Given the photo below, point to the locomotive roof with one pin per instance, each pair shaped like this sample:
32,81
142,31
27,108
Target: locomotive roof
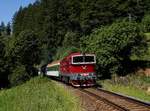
70,55
79,53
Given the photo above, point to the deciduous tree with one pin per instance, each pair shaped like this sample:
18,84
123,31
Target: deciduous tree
114,44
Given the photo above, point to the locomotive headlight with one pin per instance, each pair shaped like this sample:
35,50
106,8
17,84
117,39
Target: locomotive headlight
90,74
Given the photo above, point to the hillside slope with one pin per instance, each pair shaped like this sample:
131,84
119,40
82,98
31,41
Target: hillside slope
38,94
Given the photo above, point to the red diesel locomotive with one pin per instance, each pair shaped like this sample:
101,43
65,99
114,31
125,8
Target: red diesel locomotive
76,69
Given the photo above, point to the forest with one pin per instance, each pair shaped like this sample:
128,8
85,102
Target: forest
50,29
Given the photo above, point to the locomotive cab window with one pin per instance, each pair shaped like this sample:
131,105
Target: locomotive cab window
83,59
77,59
89,58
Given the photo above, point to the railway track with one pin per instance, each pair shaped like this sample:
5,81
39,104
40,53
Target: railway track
116,101
102,102
97,99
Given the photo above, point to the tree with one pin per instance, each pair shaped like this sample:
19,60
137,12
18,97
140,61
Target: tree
24,50
2,28
18,21
114,44
3,64
65,51
71,39
8,29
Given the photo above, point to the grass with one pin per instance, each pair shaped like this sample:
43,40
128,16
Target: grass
132,85
39,94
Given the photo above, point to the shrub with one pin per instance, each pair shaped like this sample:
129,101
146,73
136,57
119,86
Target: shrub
18,76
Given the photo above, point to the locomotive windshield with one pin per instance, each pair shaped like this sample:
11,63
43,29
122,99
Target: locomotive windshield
89,58
78,59
83,59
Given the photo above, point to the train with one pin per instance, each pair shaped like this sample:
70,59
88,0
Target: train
77,69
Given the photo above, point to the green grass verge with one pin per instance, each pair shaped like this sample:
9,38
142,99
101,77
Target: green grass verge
128,90
134,86
38,94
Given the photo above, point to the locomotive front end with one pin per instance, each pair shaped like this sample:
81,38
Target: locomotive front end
83,70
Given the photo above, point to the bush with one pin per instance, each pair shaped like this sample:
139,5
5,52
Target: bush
114,44
18,76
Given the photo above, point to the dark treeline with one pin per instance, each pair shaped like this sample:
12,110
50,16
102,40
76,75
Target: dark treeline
48,29
5,30
57,21
55,18
52,19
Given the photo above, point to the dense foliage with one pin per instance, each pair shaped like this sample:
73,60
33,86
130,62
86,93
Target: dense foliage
50,29
114,45
18,75
3,64
146,23
23,52
5,30
25,48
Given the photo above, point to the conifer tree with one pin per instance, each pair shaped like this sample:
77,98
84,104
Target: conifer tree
8,29
2,28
